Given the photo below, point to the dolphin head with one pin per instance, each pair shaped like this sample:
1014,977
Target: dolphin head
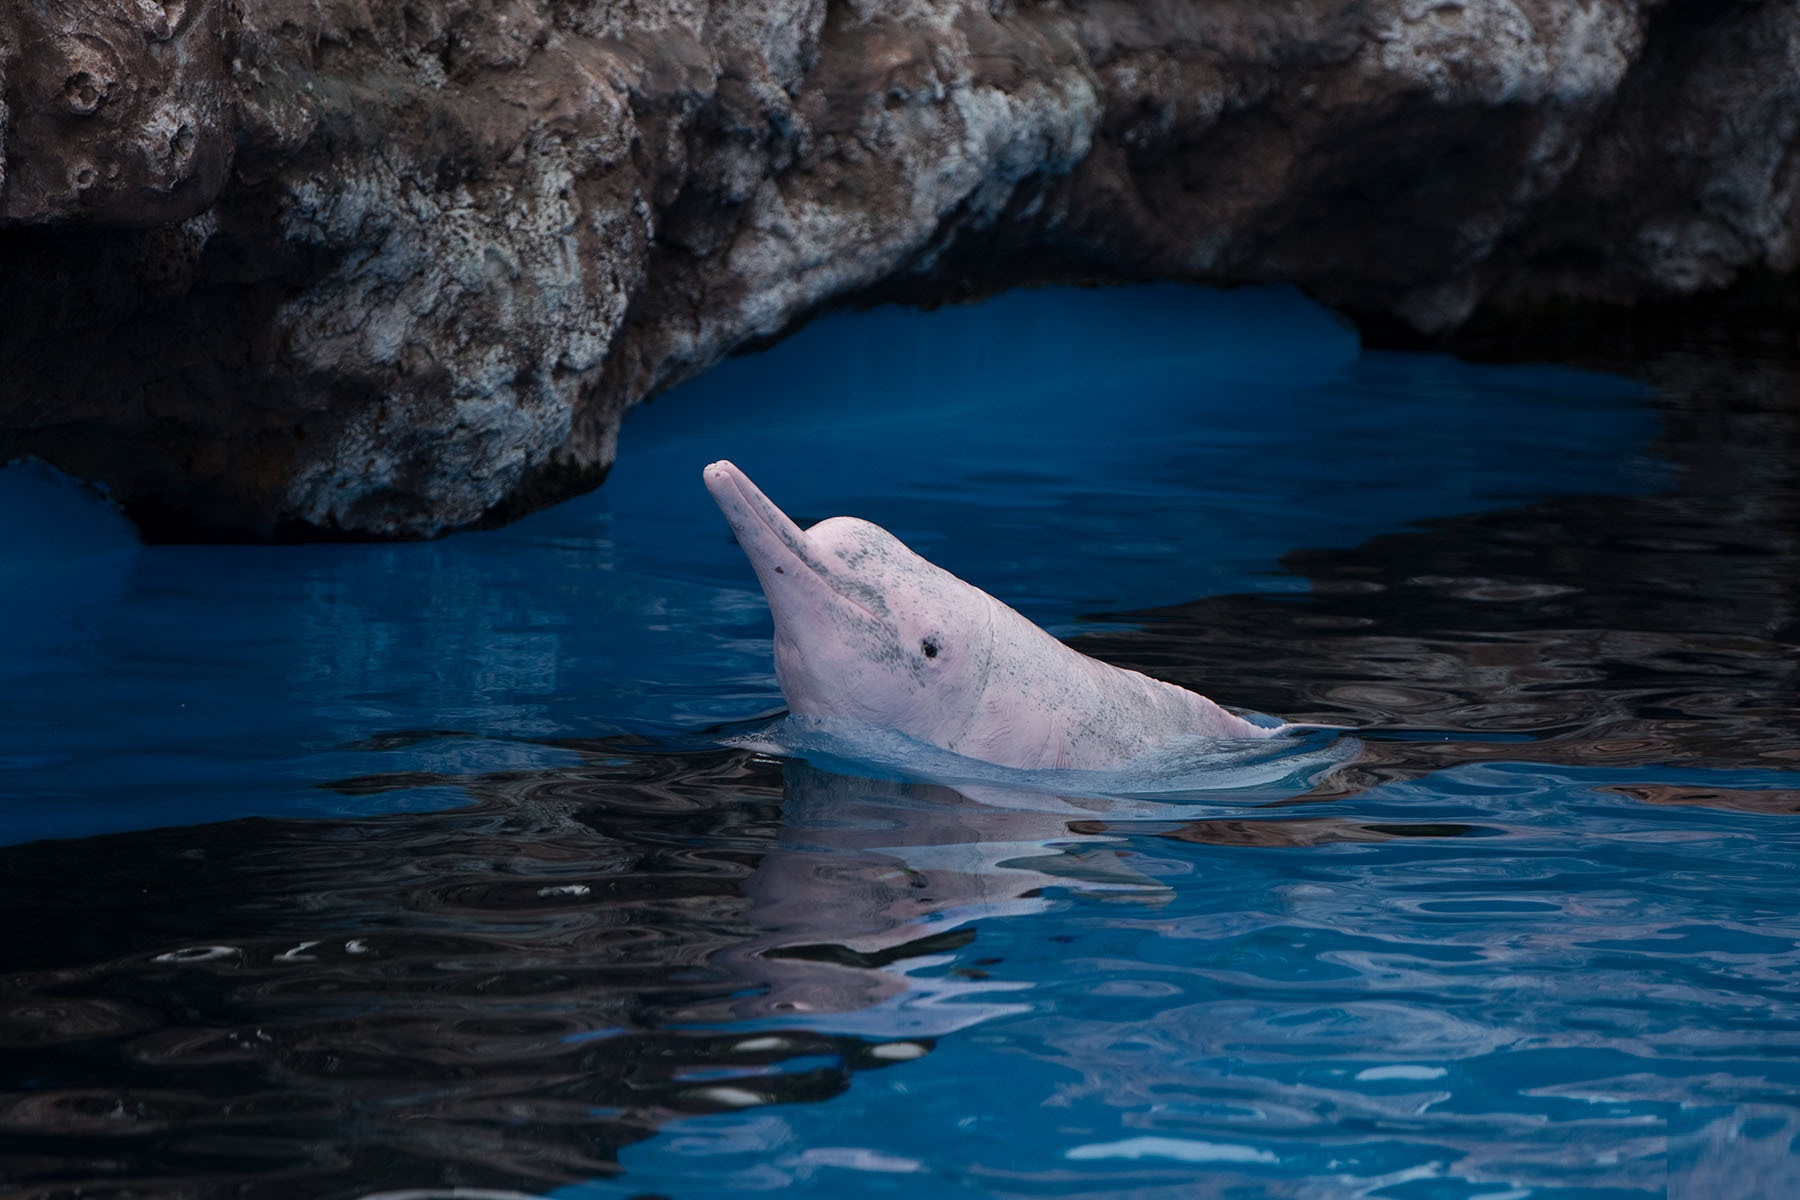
864,628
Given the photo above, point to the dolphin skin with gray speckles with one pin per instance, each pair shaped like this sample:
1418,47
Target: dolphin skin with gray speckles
867,631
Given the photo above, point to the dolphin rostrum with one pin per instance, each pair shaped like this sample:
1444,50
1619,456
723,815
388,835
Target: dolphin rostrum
868,631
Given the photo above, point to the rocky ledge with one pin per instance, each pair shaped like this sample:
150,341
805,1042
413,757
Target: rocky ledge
384,268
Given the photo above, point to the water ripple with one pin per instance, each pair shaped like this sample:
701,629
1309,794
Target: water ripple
1538,938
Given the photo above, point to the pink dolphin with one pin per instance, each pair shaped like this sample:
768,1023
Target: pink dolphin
867,630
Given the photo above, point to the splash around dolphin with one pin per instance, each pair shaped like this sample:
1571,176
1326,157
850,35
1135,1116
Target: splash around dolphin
869,632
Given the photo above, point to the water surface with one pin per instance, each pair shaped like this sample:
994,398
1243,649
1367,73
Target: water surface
337,871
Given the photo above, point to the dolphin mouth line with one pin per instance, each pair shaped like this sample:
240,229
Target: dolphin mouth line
722,476
765,516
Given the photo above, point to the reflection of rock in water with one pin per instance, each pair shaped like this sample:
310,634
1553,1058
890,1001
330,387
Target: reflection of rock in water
489,997
1764,800
505,994
1280,832
1590,630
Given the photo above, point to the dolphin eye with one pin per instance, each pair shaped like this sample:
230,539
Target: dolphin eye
929,647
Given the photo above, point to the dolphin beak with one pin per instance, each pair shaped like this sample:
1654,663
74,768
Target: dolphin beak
768,537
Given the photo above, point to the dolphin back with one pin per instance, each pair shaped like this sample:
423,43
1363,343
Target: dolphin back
1047,706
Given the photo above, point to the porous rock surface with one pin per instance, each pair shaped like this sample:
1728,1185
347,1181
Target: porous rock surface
382,268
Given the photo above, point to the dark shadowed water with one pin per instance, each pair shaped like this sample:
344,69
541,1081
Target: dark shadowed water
388,871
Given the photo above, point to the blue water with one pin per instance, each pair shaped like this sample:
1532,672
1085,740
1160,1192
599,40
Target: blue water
1073,453
521,917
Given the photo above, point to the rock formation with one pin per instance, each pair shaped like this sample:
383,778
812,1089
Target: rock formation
384,268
